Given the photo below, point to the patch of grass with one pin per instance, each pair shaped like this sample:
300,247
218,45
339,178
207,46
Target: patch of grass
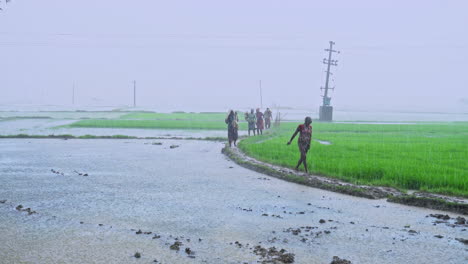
219,117
429,157
154,124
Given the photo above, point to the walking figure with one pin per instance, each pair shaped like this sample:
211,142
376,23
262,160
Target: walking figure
251,119
268,115
233,127
305,137
260,125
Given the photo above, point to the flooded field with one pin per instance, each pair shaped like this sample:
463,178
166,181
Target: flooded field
58,127
103,201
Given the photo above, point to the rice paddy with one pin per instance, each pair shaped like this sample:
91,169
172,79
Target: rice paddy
204,121
428,157
212,116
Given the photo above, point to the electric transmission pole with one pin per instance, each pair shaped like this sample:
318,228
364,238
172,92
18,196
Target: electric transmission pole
326,110
134,93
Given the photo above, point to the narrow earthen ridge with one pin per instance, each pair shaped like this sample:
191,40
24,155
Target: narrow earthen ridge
420,199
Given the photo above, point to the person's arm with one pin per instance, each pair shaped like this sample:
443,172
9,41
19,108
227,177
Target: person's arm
293,136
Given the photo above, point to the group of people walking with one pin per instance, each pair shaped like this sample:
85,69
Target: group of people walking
258,121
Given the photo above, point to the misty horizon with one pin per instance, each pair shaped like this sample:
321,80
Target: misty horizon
211,55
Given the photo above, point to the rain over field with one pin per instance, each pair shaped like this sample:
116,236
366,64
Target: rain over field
233,132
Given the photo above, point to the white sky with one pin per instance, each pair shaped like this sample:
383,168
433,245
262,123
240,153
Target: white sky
395,55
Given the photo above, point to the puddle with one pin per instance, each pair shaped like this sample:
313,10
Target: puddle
323,142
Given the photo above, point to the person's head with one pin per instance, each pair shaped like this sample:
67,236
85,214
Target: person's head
251,110
231,112
268,108
258,110
308,120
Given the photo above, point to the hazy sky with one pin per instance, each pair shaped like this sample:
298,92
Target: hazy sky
211,54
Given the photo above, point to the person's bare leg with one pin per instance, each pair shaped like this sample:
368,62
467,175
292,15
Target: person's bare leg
299,163
230,143
235,144
304,161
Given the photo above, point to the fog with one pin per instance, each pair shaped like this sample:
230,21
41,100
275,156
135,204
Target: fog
210,55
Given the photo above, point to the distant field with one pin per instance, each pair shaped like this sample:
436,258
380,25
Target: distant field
431,157
154,124
207,121
177,116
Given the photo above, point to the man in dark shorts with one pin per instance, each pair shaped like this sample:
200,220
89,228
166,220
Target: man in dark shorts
305,136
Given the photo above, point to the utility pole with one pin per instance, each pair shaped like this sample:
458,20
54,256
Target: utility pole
326,110
134,93
261,99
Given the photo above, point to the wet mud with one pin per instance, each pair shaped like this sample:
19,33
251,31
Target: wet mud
192,205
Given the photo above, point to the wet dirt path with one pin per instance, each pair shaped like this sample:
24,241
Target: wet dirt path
193,195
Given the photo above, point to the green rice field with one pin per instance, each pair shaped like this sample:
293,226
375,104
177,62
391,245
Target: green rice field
176,116
427,157
206,121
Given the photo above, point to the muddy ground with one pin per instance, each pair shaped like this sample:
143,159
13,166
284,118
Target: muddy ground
132,201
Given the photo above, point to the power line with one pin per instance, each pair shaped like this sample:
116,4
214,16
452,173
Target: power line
326,110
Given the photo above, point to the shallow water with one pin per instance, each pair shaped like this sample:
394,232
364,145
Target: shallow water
190,191
52,127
